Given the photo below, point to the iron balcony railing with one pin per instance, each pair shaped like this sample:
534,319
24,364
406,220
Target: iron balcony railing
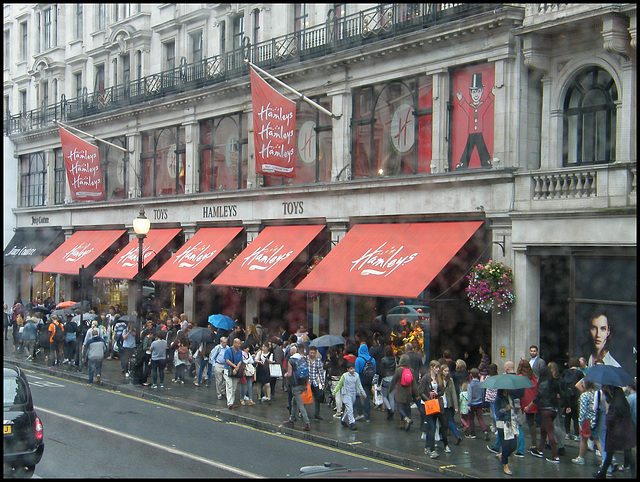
335,35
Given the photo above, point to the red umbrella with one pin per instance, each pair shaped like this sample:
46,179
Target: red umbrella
65,304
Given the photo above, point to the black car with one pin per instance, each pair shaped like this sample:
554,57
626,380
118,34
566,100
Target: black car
22,429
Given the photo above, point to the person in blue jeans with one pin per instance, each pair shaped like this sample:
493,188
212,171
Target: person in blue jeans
515,395
158,358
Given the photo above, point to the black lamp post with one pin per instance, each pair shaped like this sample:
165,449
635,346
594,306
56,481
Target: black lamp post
141,227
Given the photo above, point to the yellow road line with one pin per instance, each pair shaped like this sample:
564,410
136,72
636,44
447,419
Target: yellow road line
281,435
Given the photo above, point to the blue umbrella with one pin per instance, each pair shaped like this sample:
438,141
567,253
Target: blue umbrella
328,340
508,381
222,321
608,375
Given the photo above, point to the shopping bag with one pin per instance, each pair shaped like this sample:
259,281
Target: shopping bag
377,395
275,370
431,407
307,395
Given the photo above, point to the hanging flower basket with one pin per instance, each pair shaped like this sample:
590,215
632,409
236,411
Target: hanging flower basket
491,287
313,295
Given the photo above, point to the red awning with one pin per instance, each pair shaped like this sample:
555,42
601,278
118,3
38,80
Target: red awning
267,256
82,248
389,259
195,255
125,263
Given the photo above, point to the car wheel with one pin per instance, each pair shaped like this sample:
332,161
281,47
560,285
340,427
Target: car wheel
25,472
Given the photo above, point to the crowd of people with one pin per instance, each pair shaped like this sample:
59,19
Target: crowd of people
366,372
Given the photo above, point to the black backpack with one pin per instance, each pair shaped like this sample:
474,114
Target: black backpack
368,372
58,334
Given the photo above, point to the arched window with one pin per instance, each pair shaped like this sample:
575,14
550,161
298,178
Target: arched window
589,132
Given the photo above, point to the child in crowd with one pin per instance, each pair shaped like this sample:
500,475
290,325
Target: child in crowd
350,387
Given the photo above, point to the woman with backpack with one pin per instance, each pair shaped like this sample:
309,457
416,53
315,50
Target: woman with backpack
387,369
406,388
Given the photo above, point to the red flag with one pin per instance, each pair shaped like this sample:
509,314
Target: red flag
83,168
274,129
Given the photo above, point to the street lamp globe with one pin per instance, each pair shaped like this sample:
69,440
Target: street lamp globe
141,224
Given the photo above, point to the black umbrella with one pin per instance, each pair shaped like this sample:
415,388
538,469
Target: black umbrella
83,306
128,318
608,375
200,335
41,309
62,312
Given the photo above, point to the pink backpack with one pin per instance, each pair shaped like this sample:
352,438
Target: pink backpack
407,377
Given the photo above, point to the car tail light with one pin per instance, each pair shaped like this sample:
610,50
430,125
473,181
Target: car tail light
39,429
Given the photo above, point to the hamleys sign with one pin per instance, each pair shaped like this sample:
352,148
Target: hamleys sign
266,257
77,252
383,260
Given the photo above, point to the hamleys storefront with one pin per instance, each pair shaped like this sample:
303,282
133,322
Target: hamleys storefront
275,260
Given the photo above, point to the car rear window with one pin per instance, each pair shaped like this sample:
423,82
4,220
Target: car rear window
15,391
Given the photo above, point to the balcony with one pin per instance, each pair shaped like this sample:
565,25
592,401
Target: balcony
376,24
577,188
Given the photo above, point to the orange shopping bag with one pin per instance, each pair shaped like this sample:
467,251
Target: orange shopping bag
307,396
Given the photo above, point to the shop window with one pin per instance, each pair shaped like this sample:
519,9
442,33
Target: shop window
391,132
32,179
223,153
163,162
60,178
314,146
589,128
113,164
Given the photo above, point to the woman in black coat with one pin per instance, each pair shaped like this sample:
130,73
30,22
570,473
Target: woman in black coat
621,432
547,399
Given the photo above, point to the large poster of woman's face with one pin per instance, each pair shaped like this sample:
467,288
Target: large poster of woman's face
607,333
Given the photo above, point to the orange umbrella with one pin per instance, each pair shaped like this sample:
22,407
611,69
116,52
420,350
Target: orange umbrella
66,304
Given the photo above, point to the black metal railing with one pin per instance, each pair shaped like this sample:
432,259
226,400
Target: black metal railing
336,34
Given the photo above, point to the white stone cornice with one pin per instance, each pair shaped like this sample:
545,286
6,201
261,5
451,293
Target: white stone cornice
615,32
535,53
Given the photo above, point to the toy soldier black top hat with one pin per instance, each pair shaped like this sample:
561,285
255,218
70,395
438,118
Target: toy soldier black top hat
476,82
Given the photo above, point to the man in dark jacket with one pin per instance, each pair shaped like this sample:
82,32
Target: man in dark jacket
569,397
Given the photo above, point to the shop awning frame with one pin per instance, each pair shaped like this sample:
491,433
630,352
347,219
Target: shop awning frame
194,256
81,249
390,260
124,265
262,261
28,245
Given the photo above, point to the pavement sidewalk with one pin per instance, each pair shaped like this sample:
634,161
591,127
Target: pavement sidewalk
380,439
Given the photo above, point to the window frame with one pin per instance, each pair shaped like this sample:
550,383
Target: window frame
150,159
575,134
368,123
32,180
209,149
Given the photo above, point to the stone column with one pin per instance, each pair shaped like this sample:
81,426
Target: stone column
134,167
191,152
252,308
439,133
341,136
526,311
189,296
337,302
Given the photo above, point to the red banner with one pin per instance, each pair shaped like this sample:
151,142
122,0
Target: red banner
274,129
83,168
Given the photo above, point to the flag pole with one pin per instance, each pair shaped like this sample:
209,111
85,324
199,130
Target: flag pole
92,136
301,96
